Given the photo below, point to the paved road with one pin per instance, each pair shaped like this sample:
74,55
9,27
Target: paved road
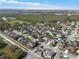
12,41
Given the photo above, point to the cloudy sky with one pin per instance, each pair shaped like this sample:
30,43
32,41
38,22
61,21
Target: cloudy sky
39,4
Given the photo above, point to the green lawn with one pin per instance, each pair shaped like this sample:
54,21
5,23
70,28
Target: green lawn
9,53
14,22
8,50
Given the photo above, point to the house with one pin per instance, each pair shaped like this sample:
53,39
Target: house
52,42
49,54
40,48
32,44
60,56
21,39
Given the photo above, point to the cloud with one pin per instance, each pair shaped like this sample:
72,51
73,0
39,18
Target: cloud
23,3
34,5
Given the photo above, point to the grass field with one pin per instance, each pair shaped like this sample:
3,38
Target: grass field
11,52
10,55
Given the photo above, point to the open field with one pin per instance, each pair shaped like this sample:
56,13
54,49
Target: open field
10,51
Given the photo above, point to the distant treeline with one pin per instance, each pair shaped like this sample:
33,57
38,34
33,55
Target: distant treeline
37,18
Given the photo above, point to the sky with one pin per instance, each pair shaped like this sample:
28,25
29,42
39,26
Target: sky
39,4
